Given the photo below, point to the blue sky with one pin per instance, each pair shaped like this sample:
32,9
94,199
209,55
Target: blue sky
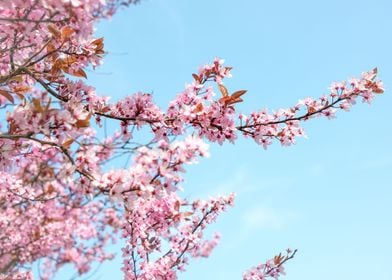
330,195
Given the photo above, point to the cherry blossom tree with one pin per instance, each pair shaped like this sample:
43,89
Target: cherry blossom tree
61,205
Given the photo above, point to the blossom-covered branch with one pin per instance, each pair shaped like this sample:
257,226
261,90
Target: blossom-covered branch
60,203
272,268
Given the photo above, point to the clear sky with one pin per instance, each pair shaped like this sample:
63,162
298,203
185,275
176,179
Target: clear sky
330,195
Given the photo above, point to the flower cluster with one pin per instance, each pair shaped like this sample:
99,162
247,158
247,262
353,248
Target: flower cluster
39,222
284,124
168,222
272,268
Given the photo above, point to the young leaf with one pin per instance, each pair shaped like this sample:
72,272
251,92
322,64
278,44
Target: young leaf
51,49
98,45
7,95
98,42
66,32
77,73
177,205
199,107
22,89
80,73
223,90
70,59
278,259
53,29
196,77
83,123
21,96
37,105
67,143
232,101
238,94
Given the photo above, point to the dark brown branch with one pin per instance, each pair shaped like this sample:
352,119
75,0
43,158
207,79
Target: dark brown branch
24,19
299,118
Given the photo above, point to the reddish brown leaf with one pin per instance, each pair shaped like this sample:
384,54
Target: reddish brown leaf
70,59
16,79
58,65
77,73
199,108
223,90
36,235
37,105
233,101
278,259
21,89
98,42
7,95
238,93
83,123
21,96
53,29
311,110
224,99
67,143
50,48
80,73
98,45
177,205
12,127
50,189
66,32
